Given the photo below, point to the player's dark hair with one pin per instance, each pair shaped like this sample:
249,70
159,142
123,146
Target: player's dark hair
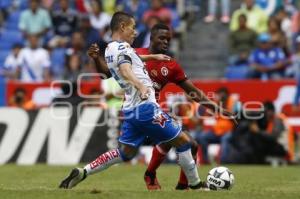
159,26
118,18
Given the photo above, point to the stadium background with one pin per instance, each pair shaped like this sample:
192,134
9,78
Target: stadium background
28,132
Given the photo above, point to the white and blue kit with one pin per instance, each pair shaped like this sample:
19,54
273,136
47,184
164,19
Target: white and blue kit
142,117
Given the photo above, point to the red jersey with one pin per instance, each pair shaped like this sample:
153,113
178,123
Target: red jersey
162,72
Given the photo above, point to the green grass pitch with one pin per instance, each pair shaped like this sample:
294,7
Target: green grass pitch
126,181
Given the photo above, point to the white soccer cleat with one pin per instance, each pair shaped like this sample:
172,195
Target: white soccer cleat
77,175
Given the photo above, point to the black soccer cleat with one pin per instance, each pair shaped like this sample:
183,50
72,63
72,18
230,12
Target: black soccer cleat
77,175
202,185
181,186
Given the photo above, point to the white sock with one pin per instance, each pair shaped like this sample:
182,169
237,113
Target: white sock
104,161
188,165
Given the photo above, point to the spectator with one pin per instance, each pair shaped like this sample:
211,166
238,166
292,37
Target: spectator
109,6
285,22
47,4
34,62
295,29
268,6
242,41
90,34
136,8
158,10
256,139
295,59
11,63
99,19
78,46
267,62
21,100
256,17
65,22
278,38
73,68
221,131
212,6
143,39
35,20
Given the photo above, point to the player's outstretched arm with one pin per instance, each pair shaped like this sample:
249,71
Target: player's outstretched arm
101,66
159,57
128,75
199,96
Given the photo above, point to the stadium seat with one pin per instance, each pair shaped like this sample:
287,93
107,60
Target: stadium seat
14,17
237,72
11,36
13,21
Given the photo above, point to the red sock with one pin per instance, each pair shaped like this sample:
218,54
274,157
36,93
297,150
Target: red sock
182,178
156,159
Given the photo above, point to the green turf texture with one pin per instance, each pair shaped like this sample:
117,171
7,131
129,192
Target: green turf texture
126,181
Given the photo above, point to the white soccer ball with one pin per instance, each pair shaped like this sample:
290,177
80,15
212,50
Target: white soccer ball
220,178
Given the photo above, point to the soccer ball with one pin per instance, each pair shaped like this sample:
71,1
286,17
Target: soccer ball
220,178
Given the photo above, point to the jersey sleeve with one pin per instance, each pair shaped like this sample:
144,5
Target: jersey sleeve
178,75
124,53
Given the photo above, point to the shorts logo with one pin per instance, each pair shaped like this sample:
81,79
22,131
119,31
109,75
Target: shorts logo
164,71
160,119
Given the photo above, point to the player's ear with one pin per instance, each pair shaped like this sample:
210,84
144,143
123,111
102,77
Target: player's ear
122,26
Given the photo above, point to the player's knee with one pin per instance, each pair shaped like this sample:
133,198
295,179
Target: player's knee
127,152
184,147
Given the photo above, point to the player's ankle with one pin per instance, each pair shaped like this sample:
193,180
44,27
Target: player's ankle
150,173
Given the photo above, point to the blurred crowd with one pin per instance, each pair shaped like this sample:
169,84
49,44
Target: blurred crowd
264,42
42,40
261,136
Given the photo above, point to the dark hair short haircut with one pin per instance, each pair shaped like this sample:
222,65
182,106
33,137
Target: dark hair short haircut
243,16
159,26
118,18
269,106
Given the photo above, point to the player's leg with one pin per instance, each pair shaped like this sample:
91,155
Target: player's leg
159,153
161,128
182,143
122,154
129,141
183,181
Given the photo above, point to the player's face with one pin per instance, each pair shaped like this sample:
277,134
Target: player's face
129,32
161,41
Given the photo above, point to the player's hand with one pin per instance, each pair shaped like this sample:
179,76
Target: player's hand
228,114
93,51
161,57
145,92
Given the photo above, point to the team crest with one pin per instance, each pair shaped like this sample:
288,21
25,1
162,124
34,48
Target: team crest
164,71
160,119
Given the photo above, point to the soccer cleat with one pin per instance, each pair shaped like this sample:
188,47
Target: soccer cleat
151,181
77,175
181,186
201,186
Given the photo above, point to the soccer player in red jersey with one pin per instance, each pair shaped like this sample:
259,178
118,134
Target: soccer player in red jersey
162,73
